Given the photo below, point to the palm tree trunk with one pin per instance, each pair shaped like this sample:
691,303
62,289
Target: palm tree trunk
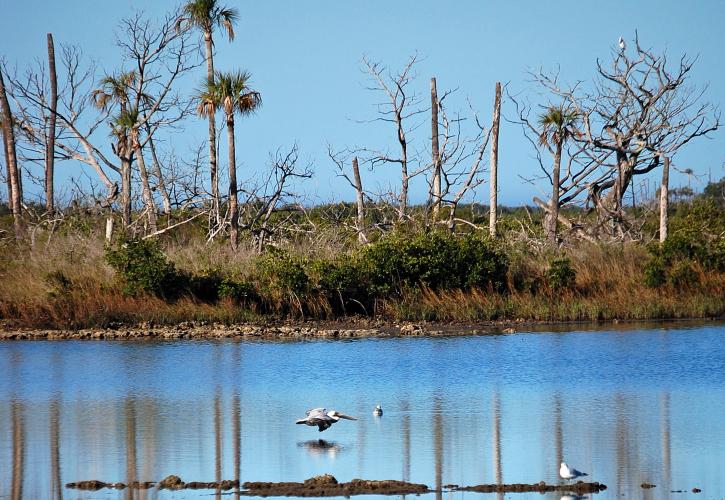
212,129
233,202
436,187
553,216
493,193
50,145
126,189
15,195
146,189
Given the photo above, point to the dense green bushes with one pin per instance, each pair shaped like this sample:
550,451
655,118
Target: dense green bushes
696,240
145,269
284,282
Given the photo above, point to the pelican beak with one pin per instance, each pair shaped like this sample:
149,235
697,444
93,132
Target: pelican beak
348,417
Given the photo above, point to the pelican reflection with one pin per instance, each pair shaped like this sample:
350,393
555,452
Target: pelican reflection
320,447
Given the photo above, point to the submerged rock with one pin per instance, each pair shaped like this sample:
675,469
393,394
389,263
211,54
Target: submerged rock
328,486
92,485
580,488
171,483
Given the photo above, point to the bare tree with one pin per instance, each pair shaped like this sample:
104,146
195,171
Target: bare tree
435,150
50,151
400,105
15,195
640,109
493,172
273,195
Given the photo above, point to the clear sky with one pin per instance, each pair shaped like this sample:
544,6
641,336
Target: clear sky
305,58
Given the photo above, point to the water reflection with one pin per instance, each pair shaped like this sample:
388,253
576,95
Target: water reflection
320,447
455,413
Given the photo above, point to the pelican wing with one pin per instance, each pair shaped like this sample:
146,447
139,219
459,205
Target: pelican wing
324,424
317,412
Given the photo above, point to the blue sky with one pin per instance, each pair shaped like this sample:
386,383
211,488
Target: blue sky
305,58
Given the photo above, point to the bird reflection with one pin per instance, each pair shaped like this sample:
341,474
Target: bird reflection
320,447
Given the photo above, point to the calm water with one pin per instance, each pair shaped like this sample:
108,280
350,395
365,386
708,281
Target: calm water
627,406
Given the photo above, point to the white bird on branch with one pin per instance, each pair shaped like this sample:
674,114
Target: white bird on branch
621,43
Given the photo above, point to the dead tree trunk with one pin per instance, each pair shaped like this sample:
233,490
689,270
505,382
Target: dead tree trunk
553,217
664,198
493,193
146,189
15,195
435,152
160,184
361,237
50,145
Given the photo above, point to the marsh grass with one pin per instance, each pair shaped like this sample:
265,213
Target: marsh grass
67,283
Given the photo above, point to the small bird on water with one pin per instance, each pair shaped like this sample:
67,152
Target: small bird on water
378,411
568,473
322,418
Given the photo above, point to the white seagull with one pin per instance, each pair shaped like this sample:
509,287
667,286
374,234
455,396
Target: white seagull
567,472
621,43
322,418
378,411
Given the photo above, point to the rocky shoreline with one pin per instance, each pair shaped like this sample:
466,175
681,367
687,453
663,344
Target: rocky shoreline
190,330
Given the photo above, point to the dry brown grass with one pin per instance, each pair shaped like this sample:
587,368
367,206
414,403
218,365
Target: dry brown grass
67,284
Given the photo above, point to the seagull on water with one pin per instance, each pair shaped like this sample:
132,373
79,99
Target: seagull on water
568,473
621,43
322,418
378,411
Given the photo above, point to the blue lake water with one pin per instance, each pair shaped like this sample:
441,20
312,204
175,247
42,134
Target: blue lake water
628,406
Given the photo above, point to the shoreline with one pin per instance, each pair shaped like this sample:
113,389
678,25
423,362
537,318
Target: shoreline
311,330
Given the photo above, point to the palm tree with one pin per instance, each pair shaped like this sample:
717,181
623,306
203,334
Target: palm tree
231,93
205,15
114,89
558,125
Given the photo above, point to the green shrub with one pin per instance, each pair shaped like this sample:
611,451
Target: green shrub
560,275
343,282
238,291
436,260
655,272
145,269
282,273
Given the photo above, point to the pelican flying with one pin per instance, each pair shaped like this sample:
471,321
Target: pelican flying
322,418
567,472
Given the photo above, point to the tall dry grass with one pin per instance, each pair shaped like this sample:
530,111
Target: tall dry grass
66,283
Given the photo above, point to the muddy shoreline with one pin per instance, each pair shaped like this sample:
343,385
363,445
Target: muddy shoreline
300,330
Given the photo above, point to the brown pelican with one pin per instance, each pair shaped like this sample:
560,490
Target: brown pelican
322,418
567,472
378,411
